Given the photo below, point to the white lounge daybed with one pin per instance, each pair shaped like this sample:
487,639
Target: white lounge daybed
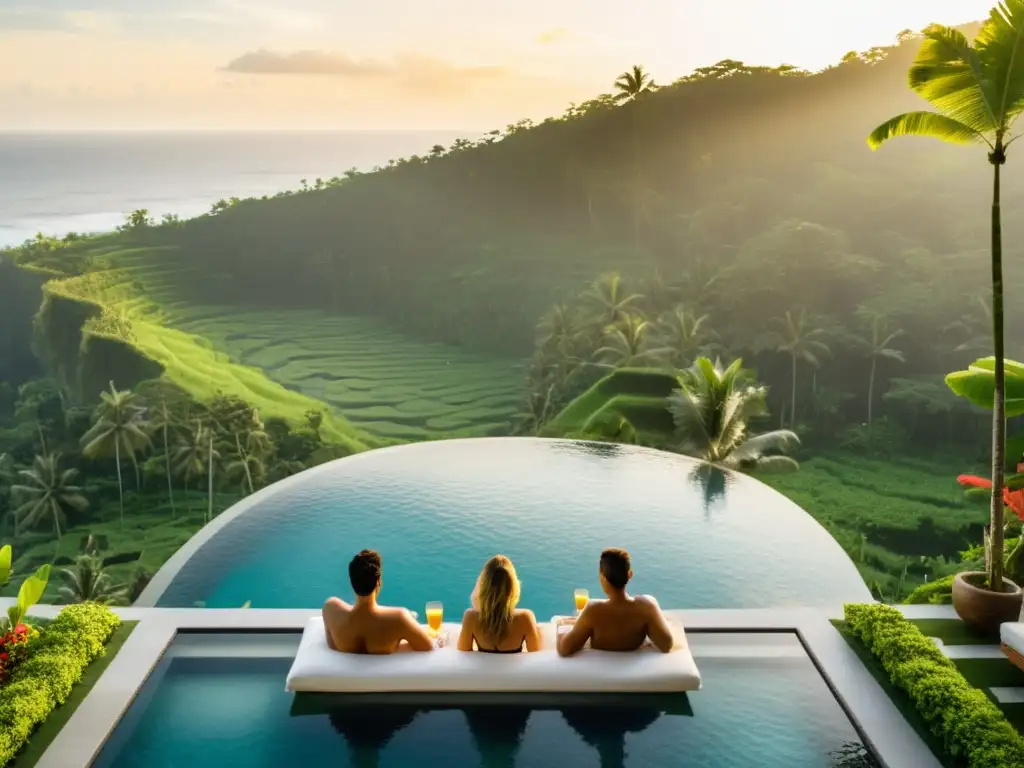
318,669
1012,636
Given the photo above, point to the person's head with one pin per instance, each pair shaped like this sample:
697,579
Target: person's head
364,573
615,570
497,594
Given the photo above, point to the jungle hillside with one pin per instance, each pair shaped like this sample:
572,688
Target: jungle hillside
514,282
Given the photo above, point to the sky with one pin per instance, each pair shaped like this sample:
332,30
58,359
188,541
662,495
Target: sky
395,64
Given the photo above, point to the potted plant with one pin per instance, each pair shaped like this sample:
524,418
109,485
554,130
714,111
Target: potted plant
986,599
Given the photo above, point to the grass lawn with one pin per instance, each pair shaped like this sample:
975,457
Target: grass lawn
46,732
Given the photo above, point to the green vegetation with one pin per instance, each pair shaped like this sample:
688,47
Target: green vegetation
548,279
56,662
58,718
978,94
969,725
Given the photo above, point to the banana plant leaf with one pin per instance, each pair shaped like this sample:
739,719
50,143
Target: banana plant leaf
977,385
5,564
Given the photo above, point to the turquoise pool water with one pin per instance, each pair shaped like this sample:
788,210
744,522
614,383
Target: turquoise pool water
436,511
763,704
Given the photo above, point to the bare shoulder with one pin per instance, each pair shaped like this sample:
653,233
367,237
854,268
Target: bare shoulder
471,614
399,615
335,605
526,616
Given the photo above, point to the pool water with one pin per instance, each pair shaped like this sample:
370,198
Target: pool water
437,511
763,704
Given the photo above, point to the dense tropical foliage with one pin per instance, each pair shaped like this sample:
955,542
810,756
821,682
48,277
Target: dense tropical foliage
617,250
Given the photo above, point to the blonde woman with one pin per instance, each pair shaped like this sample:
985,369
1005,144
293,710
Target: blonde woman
494,624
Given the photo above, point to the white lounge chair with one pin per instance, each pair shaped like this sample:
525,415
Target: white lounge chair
318,669
1011,635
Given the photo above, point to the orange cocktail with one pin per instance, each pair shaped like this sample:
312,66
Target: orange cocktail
435,616
582,598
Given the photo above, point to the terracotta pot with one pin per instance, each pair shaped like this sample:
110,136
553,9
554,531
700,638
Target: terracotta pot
981,608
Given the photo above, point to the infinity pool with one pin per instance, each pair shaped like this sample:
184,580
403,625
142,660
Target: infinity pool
763,704
436,511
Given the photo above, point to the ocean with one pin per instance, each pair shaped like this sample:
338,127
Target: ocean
88,182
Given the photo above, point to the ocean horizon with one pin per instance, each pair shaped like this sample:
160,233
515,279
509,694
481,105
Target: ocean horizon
57,182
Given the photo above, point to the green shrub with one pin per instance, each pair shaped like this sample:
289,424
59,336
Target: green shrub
938,592
971,727
56,662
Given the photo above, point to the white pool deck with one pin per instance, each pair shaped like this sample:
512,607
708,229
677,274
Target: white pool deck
877,720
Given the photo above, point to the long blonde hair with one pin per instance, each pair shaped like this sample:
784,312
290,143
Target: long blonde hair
497,592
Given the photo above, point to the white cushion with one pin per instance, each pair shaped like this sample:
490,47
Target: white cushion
1012,635
319,669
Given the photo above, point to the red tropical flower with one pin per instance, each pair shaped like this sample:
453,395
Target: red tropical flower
1013,499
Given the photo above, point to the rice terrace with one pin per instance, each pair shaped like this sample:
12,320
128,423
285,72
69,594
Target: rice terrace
288,361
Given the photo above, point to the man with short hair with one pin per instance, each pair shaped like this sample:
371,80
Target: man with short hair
367,627
620,623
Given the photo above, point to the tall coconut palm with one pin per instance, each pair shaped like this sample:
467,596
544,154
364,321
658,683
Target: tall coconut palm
88,582
633,83
711,410
607,301
118,430
626,343
195,457
46,491
878,347
978,93
163,420
681,335
796,337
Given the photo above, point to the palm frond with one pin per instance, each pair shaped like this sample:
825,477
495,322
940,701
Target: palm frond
754,448
777,464
1000,48
925,124
949,74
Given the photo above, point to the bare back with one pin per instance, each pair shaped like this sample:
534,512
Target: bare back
623,624
523,632
371,629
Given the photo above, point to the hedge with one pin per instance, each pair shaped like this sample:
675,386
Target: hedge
57,661
970,726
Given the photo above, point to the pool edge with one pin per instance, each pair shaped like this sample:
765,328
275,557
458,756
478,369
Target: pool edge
865,703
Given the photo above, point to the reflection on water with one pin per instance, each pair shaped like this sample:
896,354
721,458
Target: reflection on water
368,731
605,729
497,730
711,483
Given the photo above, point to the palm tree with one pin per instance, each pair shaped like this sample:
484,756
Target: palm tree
711,410
559,331
195,456
607,300
164,420
797,339
118,428
633,83
682,335
626,343
878,347
46,491
978,93
87,582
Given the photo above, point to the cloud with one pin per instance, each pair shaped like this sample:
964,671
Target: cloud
264,62
30,19
554,36
415,72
